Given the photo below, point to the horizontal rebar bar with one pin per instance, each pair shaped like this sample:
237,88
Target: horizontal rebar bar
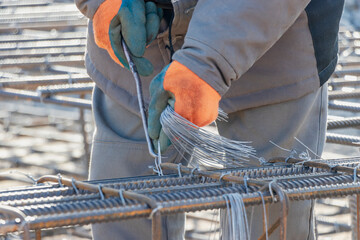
345,106
340,82
77,88
24,82
343,123
36,61
339,227
343,139
116,213
348,71
65,51
31,36
46,25
343,95
350,60
59,100
40,44
25,3
81,202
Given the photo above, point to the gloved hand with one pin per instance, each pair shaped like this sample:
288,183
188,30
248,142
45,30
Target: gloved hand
194,100
134,20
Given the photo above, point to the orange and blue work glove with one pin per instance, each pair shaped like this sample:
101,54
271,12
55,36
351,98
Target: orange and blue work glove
193,98
138,23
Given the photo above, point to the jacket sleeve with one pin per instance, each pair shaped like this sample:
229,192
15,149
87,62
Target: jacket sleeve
88,7
225,38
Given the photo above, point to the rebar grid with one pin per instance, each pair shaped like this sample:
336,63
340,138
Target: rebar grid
60,202
16,16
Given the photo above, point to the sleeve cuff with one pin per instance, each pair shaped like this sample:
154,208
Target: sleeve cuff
88,7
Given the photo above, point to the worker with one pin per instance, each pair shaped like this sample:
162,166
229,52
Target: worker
265,63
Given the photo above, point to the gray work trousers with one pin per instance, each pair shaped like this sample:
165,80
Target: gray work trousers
119,150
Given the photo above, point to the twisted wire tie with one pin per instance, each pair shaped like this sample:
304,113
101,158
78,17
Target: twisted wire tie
154,211
332,166
179,169
246,178
262,161
272,191
158,161
222,175
59,180
306,158
27,175
305,155
74,186
122,196
193,170
291,155
101,192
355,173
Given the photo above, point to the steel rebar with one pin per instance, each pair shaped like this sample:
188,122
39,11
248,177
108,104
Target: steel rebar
343,123
59,100
343,139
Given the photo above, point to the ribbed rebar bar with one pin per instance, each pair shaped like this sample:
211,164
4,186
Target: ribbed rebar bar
343,123
345,106
24,3
41,44
343,83
30,36
77,88
343,139
348,71
54,206
343,95
338,227
59,100
26,82
44,25
45,61
50,51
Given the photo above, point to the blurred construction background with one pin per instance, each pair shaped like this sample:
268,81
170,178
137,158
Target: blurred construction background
45,109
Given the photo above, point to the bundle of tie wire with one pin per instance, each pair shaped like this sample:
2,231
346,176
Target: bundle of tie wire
205,147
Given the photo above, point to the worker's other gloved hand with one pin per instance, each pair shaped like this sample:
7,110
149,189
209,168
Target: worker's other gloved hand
134,20
194,99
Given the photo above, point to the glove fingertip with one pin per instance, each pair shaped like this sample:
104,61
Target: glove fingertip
150,7
152,27
154,126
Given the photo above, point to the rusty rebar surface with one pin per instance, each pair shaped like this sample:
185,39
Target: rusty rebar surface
67,202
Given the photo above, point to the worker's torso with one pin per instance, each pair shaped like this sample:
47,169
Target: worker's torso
297,64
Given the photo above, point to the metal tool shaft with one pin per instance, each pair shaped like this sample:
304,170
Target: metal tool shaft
139,96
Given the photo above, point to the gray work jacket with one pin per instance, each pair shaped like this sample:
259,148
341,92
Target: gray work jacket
253,52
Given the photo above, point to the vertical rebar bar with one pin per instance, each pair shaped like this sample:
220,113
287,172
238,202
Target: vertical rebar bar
38,234
156,226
